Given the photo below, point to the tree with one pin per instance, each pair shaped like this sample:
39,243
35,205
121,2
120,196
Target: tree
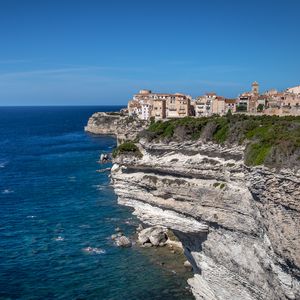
260,107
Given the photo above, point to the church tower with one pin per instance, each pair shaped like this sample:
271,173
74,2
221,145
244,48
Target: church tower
255,88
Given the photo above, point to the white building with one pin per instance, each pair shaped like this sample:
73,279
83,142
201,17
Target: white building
203,105
146,109
294,90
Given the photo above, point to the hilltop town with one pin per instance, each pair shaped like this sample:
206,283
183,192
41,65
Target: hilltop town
147,104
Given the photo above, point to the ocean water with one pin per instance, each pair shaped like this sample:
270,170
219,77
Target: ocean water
54,205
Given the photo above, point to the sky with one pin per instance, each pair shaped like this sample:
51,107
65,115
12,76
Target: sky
96,52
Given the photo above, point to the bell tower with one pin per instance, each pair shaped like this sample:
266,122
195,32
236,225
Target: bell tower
255,88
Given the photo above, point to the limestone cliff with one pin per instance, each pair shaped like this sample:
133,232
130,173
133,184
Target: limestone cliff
239,225
124,128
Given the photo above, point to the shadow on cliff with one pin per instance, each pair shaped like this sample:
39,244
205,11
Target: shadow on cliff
192,242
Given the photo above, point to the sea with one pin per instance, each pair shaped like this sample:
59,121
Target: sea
57,215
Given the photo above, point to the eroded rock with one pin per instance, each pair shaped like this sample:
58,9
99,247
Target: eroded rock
239,226
156,236
123,241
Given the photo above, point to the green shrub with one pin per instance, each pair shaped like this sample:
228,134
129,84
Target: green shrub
256,154
127,147
261,133
222,185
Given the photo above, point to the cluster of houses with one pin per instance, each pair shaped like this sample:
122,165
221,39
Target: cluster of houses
147,104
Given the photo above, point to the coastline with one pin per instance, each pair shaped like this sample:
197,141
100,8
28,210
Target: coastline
224,205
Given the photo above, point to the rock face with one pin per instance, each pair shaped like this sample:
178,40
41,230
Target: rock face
239,226
125,128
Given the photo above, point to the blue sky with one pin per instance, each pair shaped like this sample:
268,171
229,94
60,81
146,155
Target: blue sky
88,52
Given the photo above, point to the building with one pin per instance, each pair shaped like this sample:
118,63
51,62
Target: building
247,101
146,108
255,88
294,90
145,104
203,104
134,108
230,105
262,102
182,106
218,105
200,106
159,109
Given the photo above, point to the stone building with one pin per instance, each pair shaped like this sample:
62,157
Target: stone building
203,104
255,88
146,104
218,105
294,90
247,101
230,104
159,109
134,108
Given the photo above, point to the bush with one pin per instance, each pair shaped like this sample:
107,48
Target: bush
127,147
266,137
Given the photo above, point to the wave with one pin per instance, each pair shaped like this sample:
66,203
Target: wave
3,164
91,250
7,191
99,187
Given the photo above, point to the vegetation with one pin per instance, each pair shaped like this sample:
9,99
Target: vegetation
218,184
241,108
260,107
269,140
128,147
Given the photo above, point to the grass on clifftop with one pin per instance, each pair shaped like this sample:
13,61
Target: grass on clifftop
269,140
127,147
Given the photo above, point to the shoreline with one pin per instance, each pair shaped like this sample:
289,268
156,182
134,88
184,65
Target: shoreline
221,210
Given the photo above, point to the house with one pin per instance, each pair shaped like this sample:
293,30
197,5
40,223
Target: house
175,105
230,105
159,109
134,108
218,105
203,104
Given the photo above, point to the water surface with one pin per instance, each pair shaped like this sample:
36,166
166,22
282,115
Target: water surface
54,204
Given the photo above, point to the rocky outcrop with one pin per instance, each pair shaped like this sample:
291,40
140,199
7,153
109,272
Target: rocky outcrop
123,241
155,236
239,226
124,127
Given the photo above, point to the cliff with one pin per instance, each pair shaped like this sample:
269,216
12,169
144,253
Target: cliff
239,225
238,221
124,128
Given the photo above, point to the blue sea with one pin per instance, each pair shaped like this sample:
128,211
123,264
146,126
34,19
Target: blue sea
54,205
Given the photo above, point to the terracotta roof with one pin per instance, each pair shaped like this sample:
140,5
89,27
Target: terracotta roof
230,101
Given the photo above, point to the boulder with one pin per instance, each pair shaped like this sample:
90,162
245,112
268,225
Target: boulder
123,241
113,236
157,236
188,265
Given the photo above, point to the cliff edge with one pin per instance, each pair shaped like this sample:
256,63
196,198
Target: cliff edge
229,189
239,225
123,127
